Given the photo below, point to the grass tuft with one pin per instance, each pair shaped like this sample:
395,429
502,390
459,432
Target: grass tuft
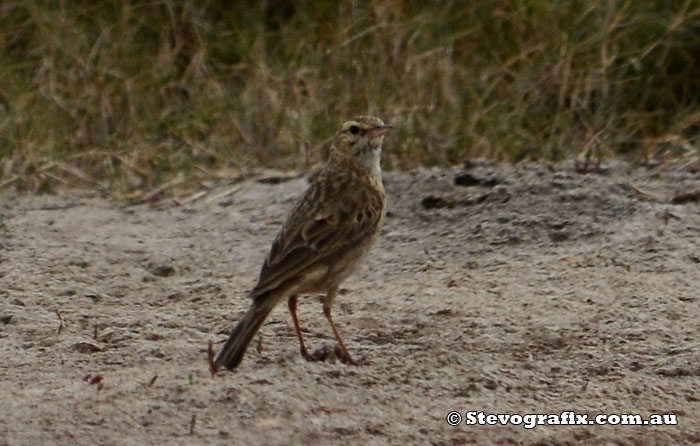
130,95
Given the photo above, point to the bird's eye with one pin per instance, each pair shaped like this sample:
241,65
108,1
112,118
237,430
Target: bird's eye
354,129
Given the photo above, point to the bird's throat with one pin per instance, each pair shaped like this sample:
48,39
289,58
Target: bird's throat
371,160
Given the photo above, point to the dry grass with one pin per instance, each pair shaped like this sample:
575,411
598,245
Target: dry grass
130,95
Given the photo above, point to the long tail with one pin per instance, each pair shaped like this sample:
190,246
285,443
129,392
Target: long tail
232,353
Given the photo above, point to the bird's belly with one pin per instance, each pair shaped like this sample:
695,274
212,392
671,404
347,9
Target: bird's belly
330,273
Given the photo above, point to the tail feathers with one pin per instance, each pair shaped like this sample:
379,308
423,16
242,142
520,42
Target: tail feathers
232,353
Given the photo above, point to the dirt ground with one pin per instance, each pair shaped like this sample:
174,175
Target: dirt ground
523,289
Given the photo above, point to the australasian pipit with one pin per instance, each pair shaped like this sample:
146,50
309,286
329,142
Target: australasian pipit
330,229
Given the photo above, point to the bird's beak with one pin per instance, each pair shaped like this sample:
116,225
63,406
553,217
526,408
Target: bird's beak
380,131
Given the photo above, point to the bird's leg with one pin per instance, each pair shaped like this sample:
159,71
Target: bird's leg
292,303
327,302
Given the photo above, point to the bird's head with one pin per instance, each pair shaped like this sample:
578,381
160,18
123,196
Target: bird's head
361,138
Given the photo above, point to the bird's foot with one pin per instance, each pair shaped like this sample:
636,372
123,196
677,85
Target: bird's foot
322,354
327,353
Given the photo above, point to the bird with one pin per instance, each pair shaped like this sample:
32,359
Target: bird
330,229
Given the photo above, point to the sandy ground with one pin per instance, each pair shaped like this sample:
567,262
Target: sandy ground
529,289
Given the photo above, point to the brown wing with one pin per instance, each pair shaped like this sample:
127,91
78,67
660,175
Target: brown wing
314,231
